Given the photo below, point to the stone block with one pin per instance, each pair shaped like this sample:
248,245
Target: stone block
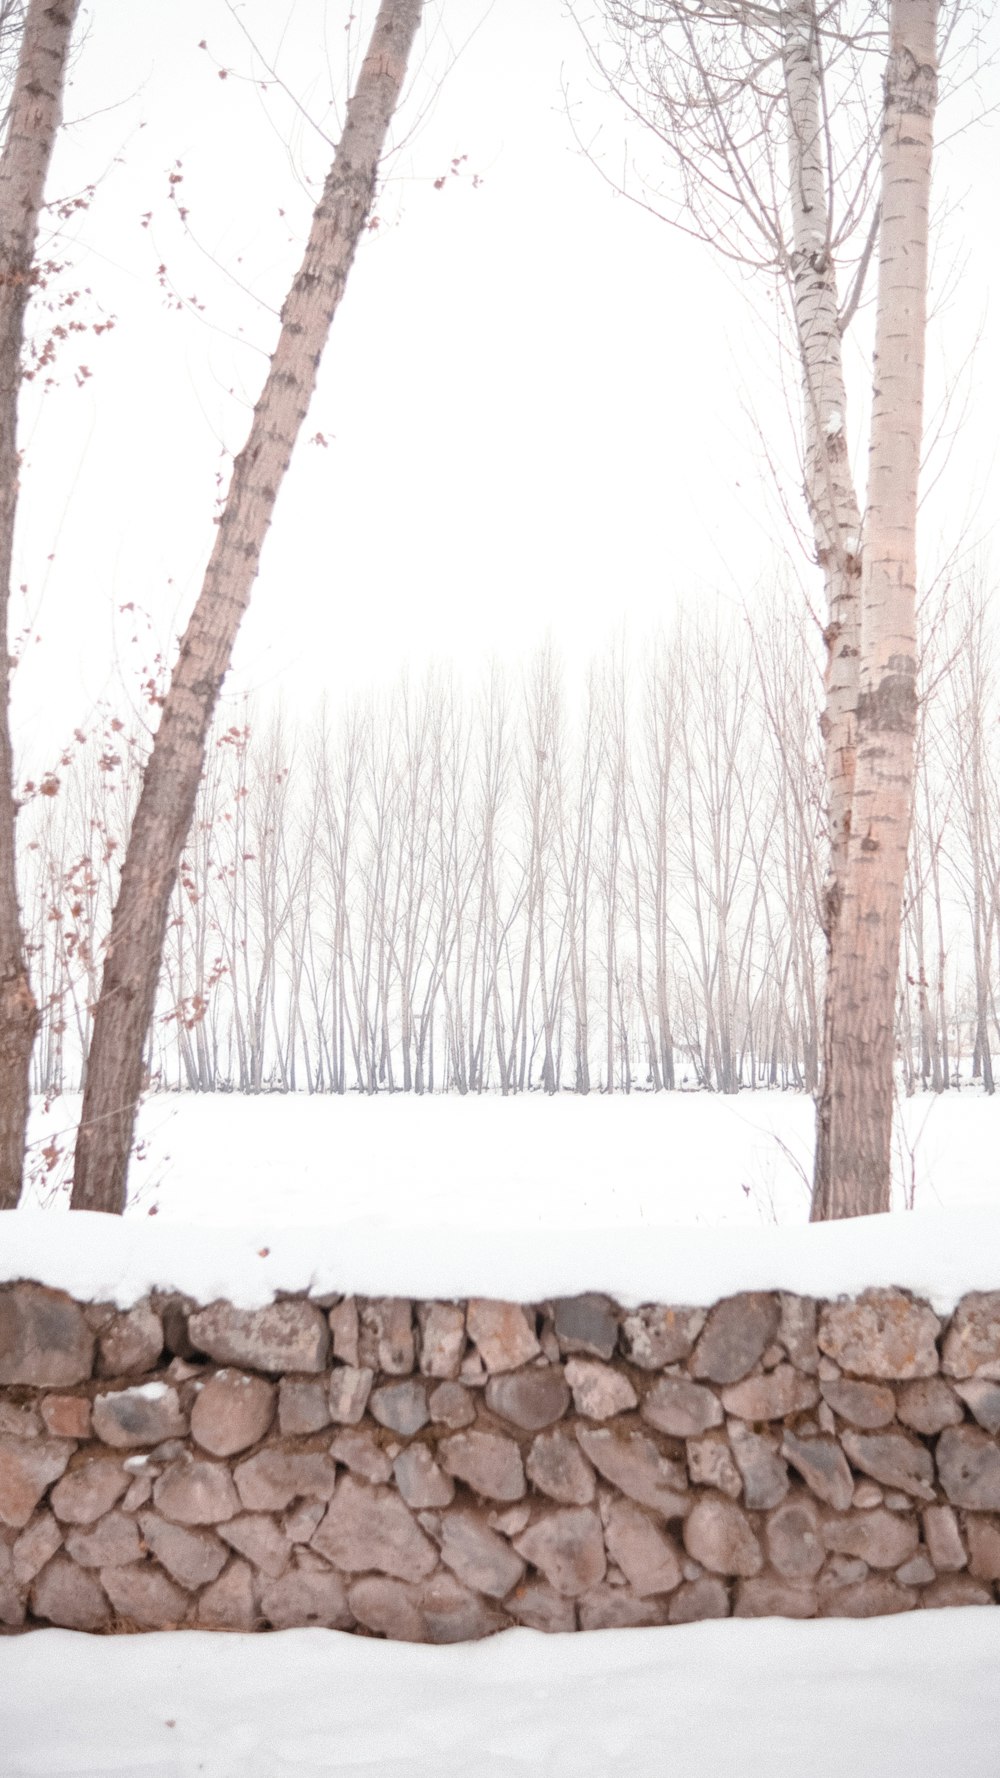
192,1558
272,1478
654,1335
232,1411
557,1467
587,1324
66,1416
718,1534
228,1603
108,1543
735,1336
823,1467
69,1597
479,1557
895,1459
783,1391
442,1338
145,1414
968,1463
928,1405
27,1469
145,1595
257,1537
286,1336
882,1539
865,1405
486,1461
501,1333
972,1343
883,1334
89,1490
44,1337
402,1407
648,1558
634,1464
194,1491
371,1528
681,1408
131,1342
530,1398
567,1545
303,1405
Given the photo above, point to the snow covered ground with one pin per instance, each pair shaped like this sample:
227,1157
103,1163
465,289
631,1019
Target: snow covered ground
683,1198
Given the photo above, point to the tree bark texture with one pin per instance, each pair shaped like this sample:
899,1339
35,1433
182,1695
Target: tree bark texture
35,113
854,1124
166,804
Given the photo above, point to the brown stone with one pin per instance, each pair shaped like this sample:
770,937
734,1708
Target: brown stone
880,1538
146,1596
480,1558
271,1479
586,1324
386,1342
649,1560
972,1343
344,1328
402,1407
488,1462
231,1412
823,1467
681,1408
618,1608
735,1335
349,1392
557,1468
357,1449
109,1543
531,1398
454,1614
228,1603
303,1405
843,1571
538,1606
89,1491
695,1601
420,1480
368,1527
36,1545
718,1534
138,1492
301,1520
195,1492
143,1415
983,1398
387,1607
954,1589
984,1547
27,1467
943,1538
44,1337
968,1462
256,1536
19,1419
928,1405
877,1596
882,1334
501,1333
69,1597
792,1537
192,1558
298,1599
866,1405
286,1336
568,1547
633,1464
710,1464
797,1331
451,1405
442,1338
767,1597
66,1416
917,1572
764,1473
132,1341
655,1336
783,1391
894,1458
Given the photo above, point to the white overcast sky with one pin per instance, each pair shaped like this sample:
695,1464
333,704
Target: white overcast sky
539,401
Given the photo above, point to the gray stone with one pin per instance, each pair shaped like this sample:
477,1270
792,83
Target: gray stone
344,1329
195,1492
792,1538
767,1597
557,1468
501,1333
710,1464
387,1607
882,1334
232,1412
454,1614
735,1335
894,1458
538,1606
271,1479
420,1480
649,1560
480,1558
20,1419
655,1335
228,1603
984,1547
972,1343
954,1589
928,1405
696,1601
451,1405
586,1324
843,1571
256,1536
633,1464
367,1527
531,1398
509,1519
943,1538
880,1538
109,1543
356,1448
402,1407
69,1597
144,1595
617,1608
301,1520
681,1408
303,1406
27,1467
138,1492
783,1391
386,1341
868,1494
866,1405
349,1392
89,1491
488,1462
36,1545
568,1547
983,1398
192,1558
797,1331
764,1473
718,1534
298,1599
442,1338
823,1467
917,1572
44,1337
143,1415
878,1596
286,1336
132,1341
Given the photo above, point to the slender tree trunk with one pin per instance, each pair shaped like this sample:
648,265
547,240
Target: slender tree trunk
853,1176
35,113
171,780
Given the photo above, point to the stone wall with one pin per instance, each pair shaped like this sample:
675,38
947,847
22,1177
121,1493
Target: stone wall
437,1471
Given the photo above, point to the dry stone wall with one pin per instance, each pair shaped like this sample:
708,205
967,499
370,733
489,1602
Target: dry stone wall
437,1471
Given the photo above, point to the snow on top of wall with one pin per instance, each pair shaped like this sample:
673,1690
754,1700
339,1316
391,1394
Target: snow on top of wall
108,1259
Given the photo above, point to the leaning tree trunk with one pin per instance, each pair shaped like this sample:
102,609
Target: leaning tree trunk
35,112
162,819
853,1177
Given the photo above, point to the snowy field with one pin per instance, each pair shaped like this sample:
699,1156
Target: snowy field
684,1198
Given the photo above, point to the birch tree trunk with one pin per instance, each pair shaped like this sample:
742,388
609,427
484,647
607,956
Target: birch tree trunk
35,113
114,1074
853,1176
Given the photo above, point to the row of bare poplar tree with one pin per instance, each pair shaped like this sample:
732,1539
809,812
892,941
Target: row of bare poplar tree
523,891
